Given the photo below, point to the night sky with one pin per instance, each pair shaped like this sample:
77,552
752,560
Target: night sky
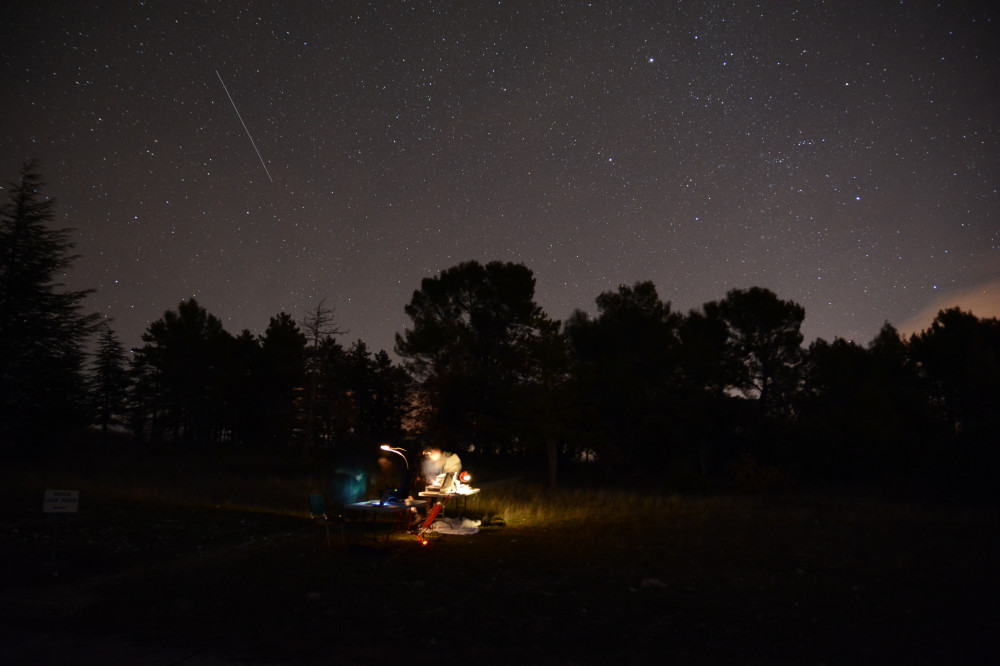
842,154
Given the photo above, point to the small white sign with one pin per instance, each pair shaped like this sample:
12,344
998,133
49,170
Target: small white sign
61,501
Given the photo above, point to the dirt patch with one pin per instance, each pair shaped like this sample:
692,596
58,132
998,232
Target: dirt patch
712,581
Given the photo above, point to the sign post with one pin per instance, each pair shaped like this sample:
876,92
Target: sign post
61,501
58,502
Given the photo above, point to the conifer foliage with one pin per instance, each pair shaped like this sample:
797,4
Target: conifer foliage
42,327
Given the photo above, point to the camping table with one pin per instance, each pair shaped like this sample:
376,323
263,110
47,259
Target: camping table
460,499
372,509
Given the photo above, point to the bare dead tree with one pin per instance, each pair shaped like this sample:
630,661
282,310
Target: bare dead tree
318,325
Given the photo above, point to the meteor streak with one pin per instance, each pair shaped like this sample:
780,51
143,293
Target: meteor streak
244,125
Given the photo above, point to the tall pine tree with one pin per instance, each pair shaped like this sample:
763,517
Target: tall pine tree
109,382
42,329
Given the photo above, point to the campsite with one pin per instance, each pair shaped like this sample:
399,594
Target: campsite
202,568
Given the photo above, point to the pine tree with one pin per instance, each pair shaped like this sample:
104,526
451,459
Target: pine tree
180,375
109,381
42,329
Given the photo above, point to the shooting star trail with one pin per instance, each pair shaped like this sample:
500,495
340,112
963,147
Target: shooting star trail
252,143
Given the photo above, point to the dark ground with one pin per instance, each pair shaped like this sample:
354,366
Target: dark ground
714,581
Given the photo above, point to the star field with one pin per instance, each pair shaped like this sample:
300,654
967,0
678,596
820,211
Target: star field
843,155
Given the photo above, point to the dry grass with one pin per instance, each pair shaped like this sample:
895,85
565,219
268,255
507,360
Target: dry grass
256,485
520,504
278,487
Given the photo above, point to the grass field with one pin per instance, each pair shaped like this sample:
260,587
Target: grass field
164,564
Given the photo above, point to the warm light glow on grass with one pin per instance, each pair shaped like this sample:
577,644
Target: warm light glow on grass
523,505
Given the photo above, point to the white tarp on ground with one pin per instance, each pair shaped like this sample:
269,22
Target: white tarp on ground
456,526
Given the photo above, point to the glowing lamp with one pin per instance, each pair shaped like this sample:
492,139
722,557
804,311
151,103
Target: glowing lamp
465,477
398,452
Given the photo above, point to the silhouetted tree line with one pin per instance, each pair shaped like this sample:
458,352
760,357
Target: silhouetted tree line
724,392
637,391
195,385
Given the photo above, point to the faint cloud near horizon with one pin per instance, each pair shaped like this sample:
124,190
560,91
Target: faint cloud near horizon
982,301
